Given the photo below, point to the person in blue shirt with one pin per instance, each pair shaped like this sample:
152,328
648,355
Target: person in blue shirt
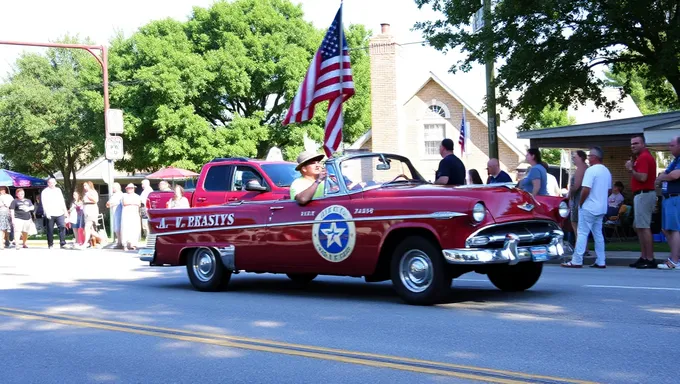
496,174
536,180
670,209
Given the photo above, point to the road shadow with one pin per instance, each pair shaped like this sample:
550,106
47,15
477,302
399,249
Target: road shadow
353,289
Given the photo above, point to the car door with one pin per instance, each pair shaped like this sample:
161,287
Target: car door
319,237
241,176
215,186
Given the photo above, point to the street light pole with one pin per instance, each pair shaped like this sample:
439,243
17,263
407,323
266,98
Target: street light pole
490,87
104,63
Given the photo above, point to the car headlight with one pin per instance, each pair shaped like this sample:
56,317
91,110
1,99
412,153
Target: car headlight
564,209
478,212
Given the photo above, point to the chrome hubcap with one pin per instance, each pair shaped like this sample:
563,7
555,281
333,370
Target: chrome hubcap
416,270
204,265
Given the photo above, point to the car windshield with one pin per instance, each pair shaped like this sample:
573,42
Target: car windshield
377,170
281,174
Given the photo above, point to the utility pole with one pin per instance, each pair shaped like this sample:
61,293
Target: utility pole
490,87
104,63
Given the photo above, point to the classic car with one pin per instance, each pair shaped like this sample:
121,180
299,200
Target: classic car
378,219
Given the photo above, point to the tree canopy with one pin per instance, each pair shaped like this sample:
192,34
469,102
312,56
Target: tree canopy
51,113
219,84
549,49
648,99
552,116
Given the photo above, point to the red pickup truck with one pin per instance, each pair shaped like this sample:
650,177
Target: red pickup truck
225,180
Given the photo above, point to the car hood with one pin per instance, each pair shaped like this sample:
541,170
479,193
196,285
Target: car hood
503,203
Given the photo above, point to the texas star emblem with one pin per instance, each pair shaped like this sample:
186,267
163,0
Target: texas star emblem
334,233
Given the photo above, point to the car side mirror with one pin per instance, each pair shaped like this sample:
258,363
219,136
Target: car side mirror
255,186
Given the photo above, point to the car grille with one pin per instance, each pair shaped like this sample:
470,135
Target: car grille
529,232
151,241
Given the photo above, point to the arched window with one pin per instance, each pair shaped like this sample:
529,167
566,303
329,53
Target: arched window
437,109
434,127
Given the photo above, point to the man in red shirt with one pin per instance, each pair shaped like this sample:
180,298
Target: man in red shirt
643,172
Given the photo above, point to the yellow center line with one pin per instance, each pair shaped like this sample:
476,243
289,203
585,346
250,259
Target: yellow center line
352,357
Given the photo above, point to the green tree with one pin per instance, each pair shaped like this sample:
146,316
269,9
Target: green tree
51,113
549,48
646,98
220,83
552,116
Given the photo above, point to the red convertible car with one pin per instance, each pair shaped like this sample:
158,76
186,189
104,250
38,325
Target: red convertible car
378,219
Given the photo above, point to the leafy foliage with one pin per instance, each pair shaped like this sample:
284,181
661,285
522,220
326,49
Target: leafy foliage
552,116
549,48
220,83
51,113
649,97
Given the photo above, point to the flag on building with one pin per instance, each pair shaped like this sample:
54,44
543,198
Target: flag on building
464,135
329,78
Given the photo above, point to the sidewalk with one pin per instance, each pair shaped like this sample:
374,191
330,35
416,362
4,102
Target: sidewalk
42,244
616,258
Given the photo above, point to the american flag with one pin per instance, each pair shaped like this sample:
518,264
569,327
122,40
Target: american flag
323,82
463,134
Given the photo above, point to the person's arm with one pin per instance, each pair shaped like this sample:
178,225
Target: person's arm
585,192
536,186
640,176
578,179
444,172
673,175
307,195
12,207
588,180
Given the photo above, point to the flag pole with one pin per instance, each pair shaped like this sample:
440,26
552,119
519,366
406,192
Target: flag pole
341,32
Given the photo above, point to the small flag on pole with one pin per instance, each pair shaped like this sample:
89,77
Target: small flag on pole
329,78
462,139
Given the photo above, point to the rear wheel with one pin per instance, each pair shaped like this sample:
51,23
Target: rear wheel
302,278
419,272
516,278
206,271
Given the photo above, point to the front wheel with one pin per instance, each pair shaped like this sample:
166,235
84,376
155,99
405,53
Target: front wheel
206,271
516,278
419,272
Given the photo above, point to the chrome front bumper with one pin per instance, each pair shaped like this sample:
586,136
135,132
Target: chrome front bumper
511,253
146,254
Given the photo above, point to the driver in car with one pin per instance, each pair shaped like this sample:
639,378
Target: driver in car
313,176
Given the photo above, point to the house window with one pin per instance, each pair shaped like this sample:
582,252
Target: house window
436,110
434,134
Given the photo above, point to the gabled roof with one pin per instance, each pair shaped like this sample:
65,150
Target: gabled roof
93,171
432,77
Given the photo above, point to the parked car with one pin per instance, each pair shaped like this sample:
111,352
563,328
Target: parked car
392,224
226,180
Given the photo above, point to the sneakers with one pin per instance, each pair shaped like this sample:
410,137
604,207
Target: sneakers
669,265
647,264
638,262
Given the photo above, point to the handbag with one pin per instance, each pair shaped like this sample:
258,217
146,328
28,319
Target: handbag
73,217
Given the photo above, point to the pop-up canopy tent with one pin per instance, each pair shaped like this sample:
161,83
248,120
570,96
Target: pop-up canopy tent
19,180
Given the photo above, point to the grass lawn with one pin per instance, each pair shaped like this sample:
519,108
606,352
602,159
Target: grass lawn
633,246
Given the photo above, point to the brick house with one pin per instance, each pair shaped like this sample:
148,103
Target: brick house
413,123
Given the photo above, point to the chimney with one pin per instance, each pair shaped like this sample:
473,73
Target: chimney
385,123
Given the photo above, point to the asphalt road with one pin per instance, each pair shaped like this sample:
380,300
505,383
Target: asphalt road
104,317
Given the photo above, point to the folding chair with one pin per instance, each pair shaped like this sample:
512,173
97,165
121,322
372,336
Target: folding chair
615,223
100,221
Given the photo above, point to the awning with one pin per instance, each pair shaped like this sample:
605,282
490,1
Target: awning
658,129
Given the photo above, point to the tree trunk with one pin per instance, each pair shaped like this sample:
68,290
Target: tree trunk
675,82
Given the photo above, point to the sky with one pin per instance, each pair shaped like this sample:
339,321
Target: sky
48,20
